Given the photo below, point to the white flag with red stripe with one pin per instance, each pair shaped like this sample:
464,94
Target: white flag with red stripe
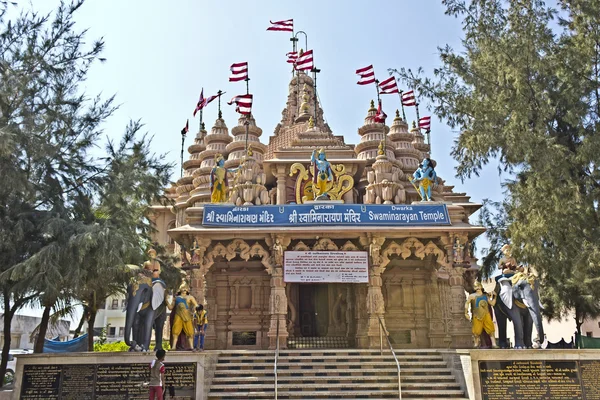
388,86
243,103
285,25
239,72
425,123
292,56
367,75
304,62
380,116
408,98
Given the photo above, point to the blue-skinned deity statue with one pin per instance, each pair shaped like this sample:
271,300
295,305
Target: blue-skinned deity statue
425,176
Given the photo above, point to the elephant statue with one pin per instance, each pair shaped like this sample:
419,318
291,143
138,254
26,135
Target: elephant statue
519,303
146,310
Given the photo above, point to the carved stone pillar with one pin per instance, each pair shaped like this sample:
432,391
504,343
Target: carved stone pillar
197,285
281,182
278,302
375,307
278,310
434,313
461,327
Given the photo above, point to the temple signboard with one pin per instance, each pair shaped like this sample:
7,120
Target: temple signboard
326,214
326,267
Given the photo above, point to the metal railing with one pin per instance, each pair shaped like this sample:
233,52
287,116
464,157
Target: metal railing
276,359
381,330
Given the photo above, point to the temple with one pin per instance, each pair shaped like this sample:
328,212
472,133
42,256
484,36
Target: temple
416,254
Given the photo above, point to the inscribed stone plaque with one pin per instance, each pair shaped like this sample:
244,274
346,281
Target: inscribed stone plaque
590,379
78,382
40,382
180,381
122,381
529,380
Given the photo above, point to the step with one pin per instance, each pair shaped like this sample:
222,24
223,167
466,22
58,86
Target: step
332,351
357,363
321,358
286,372
432,394
283,378
303,386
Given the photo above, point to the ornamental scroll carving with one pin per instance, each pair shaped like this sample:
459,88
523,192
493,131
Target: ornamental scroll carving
414,246
301,246
325,244
349,246
238,248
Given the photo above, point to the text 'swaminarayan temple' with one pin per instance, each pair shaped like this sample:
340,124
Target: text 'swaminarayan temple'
318,241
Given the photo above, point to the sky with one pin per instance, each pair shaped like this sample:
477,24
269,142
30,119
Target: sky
160,54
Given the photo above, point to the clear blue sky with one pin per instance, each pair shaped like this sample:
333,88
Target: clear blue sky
161,53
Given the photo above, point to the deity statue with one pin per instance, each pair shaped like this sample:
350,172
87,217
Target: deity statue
381,148
218,180
479,303
322,174
278,252
152,265
425,176
458,250
184,306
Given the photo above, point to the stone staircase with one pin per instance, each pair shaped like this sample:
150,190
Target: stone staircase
331,374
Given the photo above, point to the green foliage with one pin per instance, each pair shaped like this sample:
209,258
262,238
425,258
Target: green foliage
111,347
121,346
166,345
525,90
69,223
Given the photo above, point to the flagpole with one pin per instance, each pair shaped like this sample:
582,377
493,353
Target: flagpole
315,71
182,146
219,93
247,122
200,120
298,72
402,105
419,123
381,108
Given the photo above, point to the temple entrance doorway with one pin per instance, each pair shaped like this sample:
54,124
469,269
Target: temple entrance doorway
313,309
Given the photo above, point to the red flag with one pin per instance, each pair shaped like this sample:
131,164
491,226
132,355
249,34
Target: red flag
425,123
239,72
292,57
380,116
285,25
389,86
200,104
243,103
408,98
367,75
186,128
305,61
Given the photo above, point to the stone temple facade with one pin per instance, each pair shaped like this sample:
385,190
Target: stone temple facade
416,274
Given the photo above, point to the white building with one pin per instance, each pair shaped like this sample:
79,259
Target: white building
112,317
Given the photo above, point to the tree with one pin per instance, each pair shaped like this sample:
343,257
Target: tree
525,90
47,127
134,179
